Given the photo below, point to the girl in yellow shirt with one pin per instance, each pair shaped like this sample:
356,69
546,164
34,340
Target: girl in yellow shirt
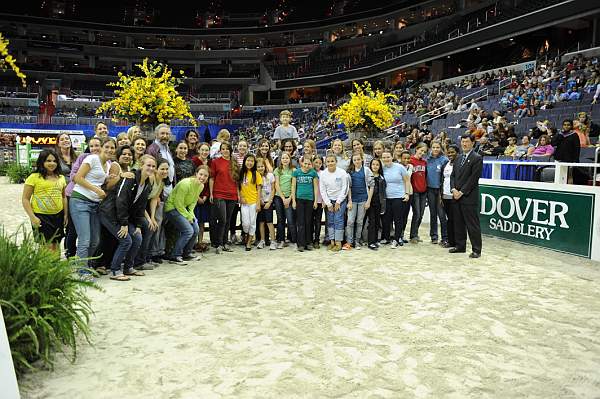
44,200
250,184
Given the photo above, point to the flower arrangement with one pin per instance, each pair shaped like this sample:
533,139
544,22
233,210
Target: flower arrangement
7,60
151,98
367,109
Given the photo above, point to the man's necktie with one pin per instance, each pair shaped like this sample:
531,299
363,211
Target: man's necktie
464,159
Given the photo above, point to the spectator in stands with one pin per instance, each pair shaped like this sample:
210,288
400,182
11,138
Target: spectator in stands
123,139
493,148
191,139
582,133
101,130
160,149
543,147
541,128
566,143
285,130
133,133
592,129
511,148
66,155
523,149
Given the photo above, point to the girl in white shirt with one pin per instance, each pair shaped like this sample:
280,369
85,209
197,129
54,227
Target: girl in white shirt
86,198
334,186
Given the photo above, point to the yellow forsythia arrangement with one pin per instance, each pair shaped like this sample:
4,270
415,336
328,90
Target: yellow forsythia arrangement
367,108
7,60
151,98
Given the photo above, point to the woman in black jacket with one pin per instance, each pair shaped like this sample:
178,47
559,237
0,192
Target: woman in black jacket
122,214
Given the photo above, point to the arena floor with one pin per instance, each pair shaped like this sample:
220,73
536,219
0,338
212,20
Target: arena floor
412,322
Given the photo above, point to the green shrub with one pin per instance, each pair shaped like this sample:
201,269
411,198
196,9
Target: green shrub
44,302
17,173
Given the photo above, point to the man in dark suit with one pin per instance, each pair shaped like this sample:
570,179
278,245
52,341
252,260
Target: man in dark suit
464,184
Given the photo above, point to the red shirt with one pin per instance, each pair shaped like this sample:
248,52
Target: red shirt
224,187
419,176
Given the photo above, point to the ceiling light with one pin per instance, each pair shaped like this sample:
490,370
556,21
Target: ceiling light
141,48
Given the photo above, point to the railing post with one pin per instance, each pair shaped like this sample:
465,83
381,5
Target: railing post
561,173
496,171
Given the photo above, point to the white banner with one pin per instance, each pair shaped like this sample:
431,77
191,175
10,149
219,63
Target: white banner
8,379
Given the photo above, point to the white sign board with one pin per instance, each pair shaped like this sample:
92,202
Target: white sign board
8,379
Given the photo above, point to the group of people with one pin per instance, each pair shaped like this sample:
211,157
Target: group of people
152,202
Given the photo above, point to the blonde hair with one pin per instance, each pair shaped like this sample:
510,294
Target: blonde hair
122,135
223,135
343,153
285,112
130,133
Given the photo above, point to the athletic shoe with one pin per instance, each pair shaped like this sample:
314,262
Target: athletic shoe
394,244
145,266
347,247
300,249
434,241
384,242
227,249
189,258
157,260
357,246
218,250
280,245
337,247
405,241
307,248
331,245
373,247
316,245
414,241
261,244
273,245
177,260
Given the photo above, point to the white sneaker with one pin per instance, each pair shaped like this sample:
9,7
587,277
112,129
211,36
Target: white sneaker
394,244
273,245
294,246
217,250
357,246
260,245
280,245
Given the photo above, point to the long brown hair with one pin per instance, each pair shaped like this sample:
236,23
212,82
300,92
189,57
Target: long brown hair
72,153
234,171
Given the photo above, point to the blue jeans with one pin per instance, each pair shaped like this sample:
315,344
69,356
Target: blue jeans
84,215
436,210
142,255
284,214
418,208
127,248
356,217
188,233
335,222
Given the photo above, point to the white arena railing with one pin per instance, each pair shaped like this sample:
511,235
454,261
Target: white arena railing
554,215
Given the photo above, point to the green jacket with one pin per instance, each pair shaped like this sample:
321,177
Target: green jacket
184,197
